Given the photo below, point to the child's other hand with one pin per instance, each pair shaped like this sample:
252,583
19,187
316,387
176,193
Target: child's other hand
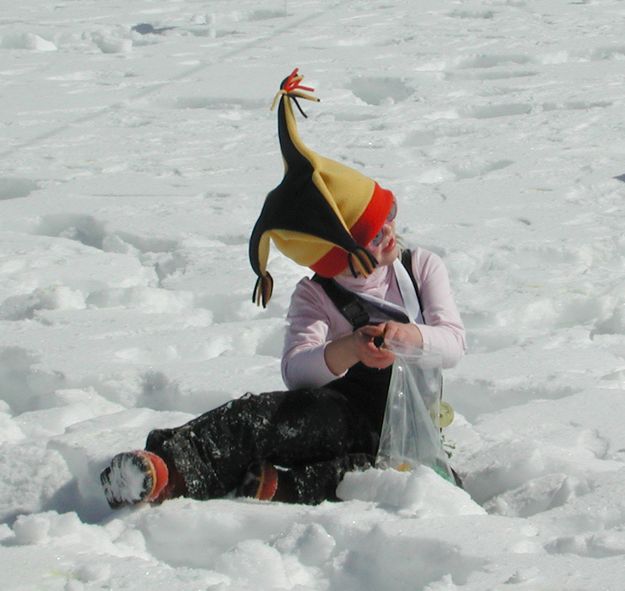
405,334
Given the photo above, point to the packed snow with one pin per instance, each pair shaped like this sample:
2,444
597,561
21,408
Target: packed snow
137,150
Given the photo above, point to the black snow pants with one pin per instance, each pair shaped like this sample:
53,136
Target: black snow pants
316,434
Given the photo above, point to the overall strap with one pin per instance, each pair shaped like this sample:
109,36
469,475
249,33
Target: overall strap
347,303
406,261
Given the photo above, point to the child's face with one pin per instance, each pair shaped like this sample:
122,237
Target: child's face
386,250
384,244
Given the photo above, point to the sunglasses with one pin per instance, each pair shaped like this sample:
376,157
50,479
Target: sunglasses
377,239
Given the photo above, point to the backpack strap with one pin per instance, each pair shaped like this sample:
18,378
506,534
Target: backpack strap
350,305
347,303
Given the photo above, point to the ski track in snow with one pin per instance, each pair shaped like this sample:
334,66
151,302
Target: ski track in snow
133,168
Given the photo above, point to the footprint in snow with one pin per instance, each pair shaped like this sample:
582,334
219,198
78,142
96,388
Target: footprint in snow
379,90
15,187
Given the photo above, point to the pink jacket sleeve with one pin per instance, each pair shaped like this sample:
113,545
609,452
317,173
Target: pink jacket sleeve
313,321
443,332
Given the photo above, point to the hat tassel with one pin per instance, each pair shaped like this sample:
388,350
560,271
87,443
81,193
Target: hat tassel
292,88
263,290
362,262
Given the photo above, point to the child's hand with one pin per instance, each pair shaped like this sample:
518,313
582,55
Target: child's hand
367,346
405,334
367,351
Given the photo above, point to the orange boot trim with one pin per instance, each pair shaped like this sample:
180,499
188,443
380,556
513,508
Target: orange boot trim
268,483
160,475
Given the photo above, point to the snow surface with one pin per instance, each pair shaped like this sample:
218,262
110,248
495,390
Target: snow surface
134,164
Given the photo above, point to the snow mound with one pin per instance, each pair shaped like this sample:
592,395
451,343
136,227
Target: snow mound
421,493
26,41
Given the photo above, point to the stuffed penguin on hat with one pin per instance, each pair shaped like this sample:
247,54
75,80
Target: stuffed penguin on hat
322,214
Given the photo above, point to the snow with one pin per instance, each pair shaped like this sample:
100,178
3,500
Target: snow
137,150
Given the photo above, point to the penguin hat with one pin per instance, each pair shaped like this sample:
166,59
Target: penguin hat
323,214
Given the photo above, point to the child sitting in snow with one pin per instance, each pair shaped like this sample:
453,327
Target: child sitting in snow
296,445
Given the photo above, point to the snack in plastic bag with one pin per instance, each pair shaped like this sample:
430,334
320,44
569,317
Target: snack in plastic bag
411,429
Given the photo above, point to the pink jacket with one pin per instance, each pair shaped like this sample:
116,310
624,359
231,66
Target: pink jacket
313,320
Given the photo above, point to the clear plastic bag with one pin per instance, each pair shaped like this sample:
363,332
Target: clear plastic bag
411,429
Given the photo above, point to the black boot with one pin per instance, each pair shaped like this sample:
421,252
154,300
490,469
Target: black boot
309,484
